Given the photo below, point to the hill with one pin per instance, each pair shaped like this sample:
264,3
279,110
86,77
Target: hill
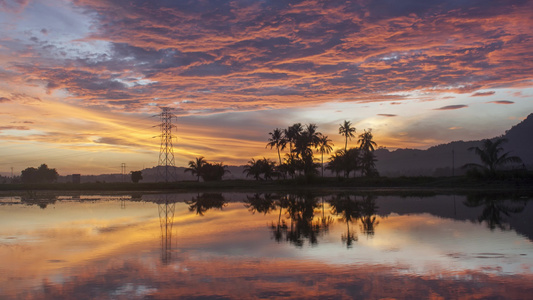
445,159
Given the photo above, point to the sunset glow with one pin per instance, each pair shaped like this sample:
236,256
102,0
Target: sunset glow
81,81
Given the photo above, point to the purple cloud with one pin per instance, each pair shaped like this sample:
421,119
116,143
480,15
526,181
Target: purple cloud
481,94
502,102
451,107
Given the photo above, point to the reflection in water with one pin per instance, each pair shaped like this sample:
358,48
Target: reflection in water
204,202
166,221
33,198
347,207
417,248
495,208
369,210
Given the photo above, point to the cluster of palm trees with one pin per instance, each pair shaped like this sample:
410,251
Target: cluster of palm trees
355,159
302,141
206,170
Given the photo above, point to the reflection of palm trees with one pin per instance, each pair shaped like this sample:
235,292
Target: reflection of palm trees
166,222
493,208
349,210
300,210
204,202
261,204
368,217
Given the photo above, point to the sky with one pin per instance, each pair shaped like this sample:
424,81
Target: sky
82,82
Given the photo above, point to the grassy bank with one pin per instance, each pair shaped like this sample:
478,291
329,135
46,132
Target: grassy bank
381,184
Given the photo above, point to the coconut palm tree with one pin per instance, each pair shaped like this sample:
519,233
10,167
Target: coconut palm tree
292,133
253,168
324,146
195,166
489,153
308,139
348,131
365,141
278,140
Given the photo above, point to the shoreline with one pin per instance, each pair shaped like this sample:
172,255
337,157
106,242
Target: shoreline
379,185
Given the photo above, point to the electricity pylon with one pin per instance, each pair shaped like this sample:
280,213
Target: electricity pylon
166,152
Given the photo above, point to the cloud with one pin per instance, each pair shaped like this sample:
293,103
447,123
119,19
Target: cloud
4,99
502,102
14,128
387,115
481,94
451,107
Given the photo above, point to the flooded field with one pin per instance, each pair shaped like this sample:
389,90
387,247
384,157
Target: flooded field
236,245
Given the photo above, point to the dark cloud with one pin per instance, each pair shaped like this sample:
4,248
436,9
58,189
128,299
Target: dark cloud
480,94
4,99
502,102
387,115
282,53
14,128
451,107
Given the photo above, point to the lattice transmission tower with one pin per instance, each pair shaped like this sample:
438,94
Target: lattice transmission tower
166,152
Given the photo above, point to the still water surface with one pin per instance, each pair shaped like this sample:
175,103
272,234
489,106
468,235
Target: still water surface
237,246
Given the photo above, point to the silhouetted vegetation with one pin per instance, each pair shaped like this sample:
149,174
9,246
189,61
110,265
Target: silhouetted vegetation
492,158
206,170
43,174
256,168
136,176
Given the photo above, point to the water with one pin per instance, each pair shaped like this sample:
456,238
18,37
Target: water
235,246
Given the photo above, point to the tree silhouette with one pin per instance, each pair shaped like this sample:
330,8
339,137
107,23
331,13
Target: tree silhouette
303,148
348,131
292,133
257,167
43,174
136,176
324,146
336,162
367,146
195,167
213,171
365,141
489,153
277,139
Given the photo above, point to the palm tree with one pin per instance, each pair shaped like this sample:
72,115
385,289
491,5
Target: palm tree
195,166
348,131
292,133
303,147
324,146
489,153
278,140
253,168
365,141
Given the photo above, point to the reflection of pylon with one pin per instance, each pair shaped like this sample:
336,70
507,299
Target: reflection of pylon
166,152
166,221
